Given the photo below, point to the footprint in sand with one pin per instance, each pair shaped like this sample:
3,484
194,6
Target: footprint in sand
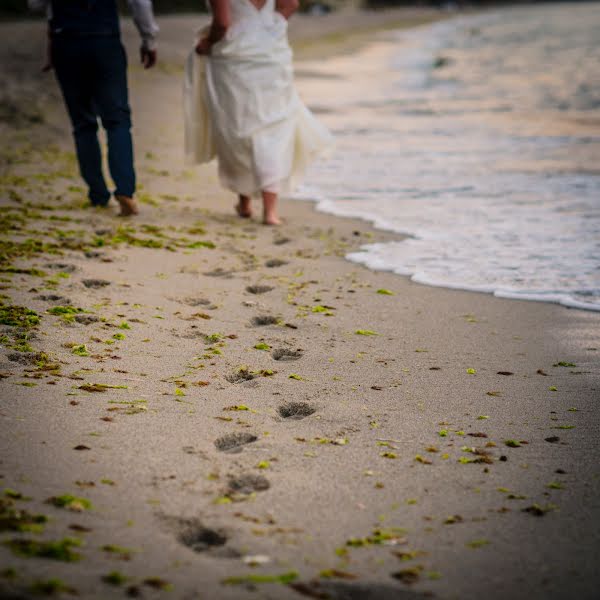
234,442
248,483
285,354
239,376
95,284
25,358
198,538
259,289
219,273
64,267
86,319
296,410
55,298
191,301
275,262
263,320
282,240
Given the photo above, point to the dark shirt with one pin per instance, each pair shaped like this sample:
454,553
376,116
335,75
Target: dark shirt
84,17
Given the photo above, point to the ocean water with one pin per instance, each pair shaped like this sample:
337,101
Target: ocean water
478,138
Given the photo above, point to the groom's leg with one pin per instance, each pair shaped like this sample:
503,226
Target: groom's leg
75,77
111,97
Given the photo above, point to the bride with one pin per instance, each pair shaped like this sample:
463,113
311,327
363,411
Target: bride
254,121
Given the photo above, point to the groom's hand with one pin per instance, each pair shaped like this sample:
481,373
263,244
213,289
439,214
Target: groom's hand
148,57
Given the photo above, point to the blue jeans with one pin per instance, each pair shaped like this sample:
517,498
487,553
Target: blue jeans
92,74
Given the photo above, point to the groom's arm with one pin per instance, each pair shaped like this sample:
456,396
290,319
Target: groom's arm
143,17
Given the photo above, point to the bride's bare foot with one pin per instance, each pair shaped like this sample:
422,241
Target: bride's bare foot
270,209
243,207
272,220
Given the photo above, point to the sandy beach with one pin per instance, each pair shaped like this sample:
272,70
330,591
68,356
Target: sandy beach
197,406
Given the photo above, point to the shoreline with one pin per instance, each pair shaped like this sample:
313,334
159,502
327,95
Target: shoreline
247,411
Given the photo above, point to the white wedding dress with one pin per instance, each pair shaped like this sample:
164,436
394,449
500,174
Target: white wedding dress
242,107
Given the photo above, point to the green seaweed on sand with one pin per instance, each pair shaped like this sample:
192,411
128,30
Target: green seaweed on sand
100,387
70,502
52,587
378,537
479,543
18,341
213,338
14,495
201,244
326,310
55,550
336,574
385,292
264,372
64,310
365,332
283,578
18,316
80,350
406,555
563,363
262,346
539,510
115,578
23,271
223,500
512,443
158,583
15,519
118,551
422,460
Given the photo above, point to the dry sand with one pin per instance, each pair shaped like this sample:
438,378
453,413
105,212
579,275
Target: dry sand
376,465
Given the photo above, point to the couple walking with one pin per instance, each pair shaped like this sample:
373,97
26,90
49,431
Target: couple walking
241,104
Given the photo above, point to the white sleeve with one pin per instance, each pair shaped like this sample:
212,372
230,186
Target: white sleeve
143,17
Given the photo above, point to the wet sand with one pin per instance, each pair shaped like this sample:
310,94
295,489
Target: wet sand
206,405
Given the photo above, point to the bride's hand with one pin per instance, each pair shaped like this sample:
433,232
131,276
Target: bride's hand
203,46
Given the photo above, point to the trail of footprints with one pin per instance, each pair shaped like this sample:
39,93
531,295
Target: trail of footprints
193,533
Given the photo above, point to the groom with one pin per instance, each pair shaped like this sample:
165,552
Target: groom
88,57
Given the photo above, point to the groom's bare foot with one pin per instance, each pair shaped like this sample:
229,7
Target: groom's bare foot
128,206
243,207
